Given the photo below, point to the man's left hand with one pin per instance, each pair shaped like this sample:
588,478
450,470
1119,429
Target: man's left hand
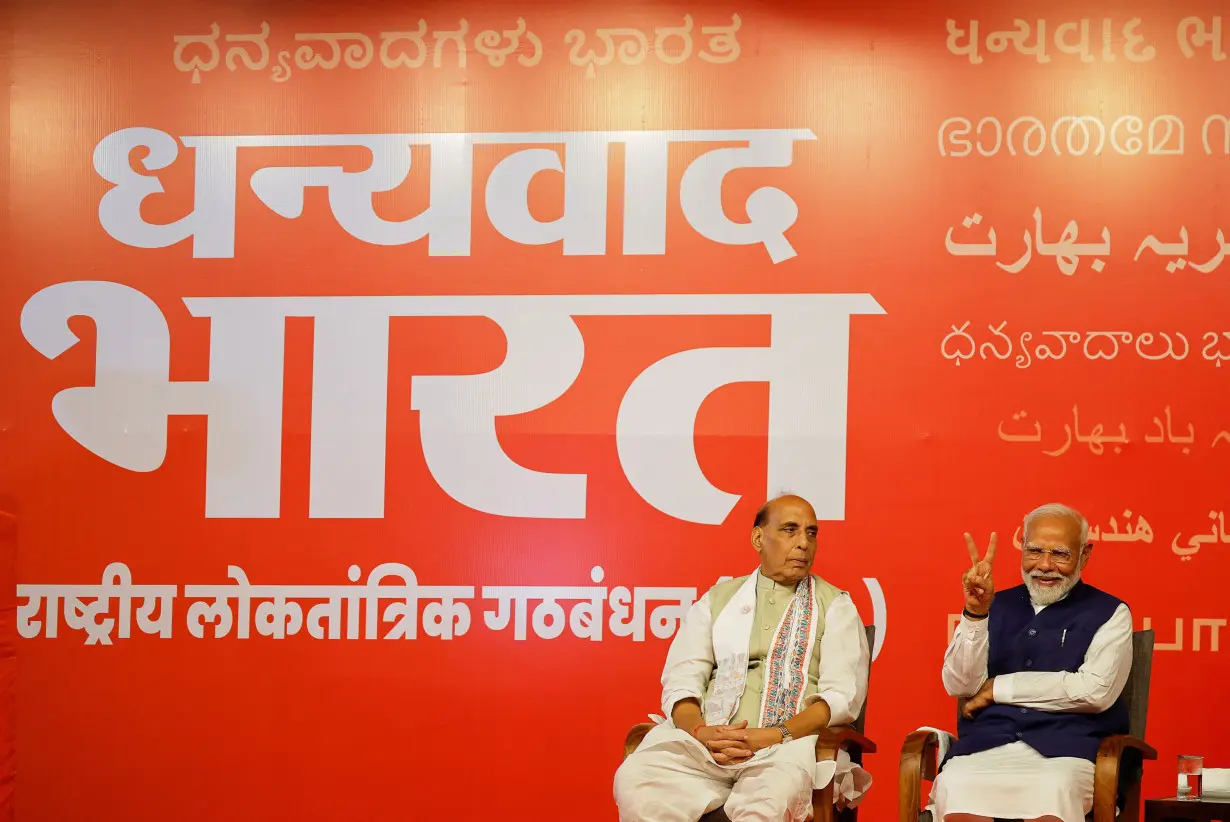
759,738
980,700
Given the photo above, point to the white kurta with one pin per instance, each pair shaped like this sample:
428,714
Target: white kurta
1015,781
671,777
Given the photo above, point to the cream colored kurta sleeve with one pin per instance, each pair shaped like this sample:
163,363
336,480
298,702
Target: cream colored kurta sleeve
690,661
845,660
965,661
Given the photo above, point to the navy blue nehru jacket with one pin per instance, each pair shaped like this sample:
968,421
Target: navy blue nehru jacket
1055,639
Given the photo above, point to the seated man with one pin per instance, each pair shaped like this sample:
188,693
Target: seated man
773,657
1043,670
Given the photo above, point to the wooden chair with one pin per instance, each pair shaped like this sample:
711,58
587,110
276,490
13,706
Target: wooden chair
848,738
1116,774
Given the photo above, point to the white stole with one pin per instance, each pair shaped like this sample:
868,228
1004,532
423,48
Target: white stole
732,637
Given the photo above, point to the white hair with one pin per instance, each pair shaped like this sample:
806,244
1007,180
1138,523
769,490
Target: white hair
1058,510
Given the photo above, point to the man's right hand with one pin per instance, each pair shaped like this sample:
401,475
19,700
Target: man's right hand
727,743
978,581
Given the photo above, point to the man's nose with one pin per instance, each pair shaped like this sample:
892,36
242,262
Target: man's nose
1047,563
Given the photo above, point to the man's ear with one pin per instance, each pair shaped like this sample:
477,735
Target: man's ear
758,538
1085,554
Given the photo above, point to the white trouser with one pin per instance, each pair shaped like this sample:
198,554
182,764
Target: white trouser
672,778
1014,782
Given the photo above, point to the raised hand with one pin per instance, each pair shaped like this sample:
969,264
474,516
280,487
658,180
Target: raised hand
978,581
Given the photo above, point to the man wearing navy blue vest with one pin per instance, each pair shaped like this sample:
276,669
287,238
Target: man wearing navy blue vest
1043,670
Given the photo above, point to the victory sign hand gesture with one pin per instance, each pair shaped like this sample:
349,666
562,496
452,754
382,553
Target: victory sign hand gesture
978,581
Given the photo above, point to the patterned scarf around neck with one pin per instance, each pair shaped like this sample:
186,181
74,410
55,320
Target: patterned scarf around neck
786,677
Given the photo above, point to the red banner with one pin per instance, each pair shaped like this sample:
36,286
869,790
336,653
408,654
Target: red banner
382,385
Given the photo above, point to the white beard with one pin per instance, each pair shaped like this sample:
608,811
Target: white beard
1043,595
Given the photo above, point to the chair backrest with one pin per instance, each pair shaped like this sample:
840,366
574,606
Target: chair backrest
1136,692
862,715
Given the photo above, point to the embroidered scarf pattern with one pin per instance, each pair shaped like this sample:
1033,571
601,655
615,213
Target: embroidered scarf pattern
786,676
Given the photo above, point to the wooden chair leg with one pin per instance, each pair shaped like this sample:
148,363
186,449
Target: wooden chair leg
918,756
822,804
1131,804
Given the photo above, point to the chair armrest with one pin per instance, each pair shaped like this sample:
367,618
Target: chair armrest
830,740
1106,777
635,736
919,753
1114,746
917,763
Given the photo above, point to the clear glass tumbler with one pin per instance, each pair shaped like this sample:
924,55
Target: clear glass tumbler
1191,770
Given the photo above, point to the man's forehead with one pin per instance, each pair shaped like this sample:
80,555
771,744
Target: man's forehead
1053,529
794,510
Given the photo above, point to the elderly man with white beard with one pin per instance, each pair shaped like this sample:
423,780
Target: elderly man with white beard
1043,670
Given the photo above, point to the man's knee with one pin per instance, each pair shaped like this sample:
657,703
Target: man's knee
630,779
646,791
783,791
